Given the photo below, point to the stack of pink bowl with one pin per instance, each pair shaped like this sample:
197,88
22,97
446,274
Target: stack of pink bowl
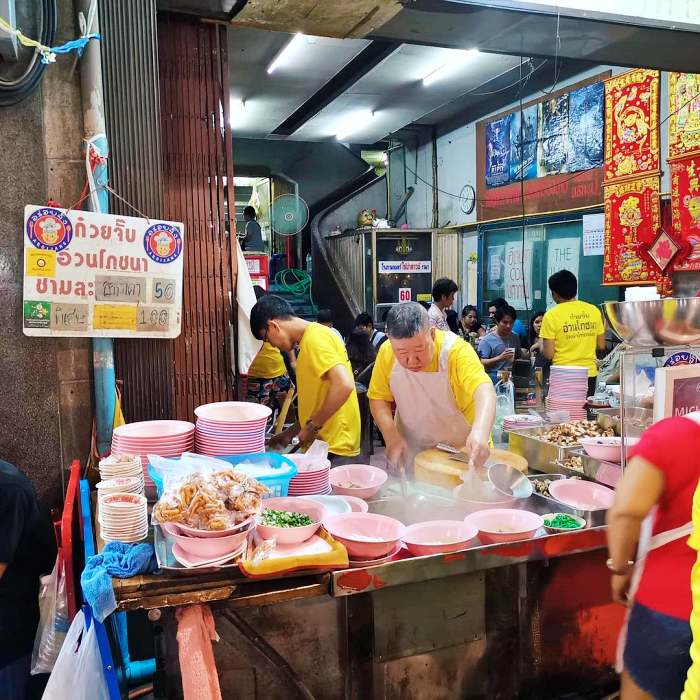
123,517
198,548
312,478
167,438
230,428
568,391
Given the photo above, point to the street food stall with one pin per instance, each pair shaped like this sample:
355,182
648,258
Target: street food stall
519,607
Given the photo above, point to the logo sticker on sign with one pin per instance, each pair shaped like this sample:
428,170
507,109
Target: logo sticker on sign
404,294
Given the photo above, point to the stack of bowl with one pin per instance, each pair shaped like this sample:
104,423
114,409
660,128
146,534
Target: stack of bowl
122,466
230,428
313,476
123,517
121,484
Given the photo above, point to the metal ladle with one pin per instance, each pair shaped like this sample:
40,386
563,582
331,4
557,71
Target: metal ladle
509,481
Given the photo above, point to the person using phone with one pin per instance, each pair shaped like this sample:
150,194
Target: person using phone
499,349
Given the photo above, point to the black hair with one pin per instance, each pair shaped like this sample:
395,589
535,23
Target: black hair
324,316
499,303
452,320
477,324
363,319
503,311
533,335
443,288
259,291
564,284
250,211
268,308
361,352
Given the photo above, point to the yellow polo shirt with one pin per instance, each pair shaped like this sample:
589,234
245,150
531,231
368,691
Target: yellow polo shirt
464,368
574,327
268,363
320,350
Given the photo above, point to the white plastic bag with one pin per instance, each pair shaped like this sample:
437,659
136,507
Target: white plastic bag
78,673
53,622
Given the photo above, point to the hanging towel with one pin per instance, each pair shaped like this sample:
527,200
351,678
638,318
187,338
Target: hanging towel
118,560
248,345
195,632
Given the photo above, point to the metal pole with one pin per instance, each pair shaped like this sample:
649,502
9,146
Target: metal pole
95,135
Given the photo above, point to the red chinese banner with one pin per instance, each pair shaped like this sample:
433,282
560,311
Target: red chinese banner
631,125
685,211
684,115
632,218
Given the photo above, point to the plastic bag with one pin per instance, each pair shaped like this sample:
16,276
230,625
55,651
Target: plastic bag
78,673
53,622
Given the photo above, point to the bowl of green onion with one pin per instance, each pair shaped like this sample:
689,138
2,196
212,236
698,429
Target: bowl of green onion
289,520
563,522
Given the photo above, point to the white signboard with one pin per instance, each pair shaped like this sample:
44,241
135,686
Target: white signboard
401,267
562,254
101,275
518,274
593,234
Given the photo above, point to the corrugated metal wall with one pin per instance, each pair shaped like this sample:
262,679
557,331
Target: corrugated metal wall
166,103
446,256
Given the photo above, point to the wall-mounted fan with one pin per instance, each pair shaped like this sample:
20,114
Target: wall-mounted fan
289,214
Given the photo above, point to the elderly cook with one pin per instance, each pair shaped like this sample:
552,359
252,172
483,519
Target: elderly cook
439,386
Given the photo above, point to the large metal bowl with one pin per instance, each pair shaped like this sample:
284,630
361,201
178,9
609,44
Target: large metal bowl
655,322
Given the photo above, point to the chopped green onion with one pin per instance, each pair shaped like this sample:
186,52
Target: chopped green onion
284,518
563,521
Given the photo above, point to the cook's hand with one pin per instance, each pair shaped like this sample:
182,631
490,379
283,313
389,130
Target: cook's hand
306,435
620,584
396,454
477,448
281,440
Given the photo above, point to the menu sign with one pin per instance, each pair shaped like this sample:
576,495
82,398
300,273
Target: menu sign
88,274
676,391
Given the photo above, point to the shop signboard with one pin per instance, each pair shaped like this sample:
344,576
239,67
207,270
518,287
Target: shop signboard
562,254
101,275
676,390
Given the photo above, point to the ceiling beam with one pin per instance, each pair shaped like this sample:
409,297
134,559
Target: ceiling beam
371,56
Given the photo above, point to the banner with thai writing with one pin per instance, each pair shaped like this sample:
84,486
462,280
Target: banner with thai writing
101,275
632,218
685,211
684,115
631,125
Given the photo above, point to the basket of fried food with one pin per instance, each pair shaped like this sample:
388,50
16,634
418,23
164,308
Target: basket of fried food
211,504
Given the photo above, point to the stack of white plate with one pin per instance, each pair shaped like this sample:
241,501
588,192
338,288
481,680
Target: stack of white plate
520,421
122,466
123,517
121,484
231,428
568,389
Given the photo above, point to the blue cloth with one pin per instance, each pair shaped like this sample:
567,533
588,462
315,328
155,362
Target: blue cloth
118,560
657,652
519,328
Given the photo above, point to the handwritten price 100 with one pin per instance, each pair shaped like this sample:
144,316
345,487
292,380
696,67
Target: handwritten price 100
154,318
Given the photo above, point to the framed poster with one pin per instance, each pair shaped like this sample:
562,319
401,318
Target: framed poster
101,275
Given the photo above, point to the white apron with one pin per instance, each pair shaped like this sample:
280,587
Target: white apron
426,410
648,543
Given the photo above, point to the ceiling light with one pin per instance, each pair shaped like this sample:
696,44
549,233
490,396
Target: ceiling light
284,55
356,122
457,60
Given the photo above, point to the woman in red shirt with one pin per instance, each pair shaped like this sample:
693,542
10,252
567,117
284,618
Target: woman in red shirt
652,513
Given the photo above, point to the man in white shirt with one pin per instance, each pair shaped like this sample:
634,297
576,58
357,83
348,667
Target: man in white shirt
444,291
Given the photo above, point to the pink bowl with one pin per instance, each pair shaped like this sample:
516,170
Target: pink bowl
232,412
505,524
439,536
365,535
357,504
154,429
292,535
194,532
207,547
607,449
582,495
368,479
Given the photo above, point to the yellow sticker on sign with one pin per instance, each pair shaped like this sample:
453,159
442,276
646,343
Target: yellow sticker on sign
41,263
424,297
112,317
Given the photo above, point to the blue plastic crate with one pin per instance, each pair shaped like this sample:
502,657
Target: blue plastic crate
277,483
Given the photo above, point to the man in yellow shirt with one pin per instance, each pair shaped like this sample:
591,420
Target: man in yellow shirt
328,407
573,330
439,386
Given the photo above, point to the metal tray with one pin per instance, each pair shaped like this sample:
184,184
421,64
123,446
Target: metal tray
547,504
541,456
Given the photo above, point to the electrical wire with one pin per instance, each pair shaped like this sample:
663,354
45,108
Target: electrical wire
557,62
296,282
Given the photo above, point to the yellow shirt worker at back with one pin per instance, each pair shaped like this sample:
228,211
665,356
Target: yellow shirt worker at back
328,407
573,330
439,386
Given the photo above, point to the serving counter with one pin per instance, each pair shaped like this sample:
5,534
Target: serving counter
525,619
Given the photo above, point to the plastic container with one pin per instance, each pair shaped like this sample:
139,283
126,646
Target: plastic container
278,483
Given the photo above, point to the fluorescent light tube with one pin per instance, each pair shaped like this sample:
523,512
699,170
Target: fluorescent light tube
284,55
459,59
